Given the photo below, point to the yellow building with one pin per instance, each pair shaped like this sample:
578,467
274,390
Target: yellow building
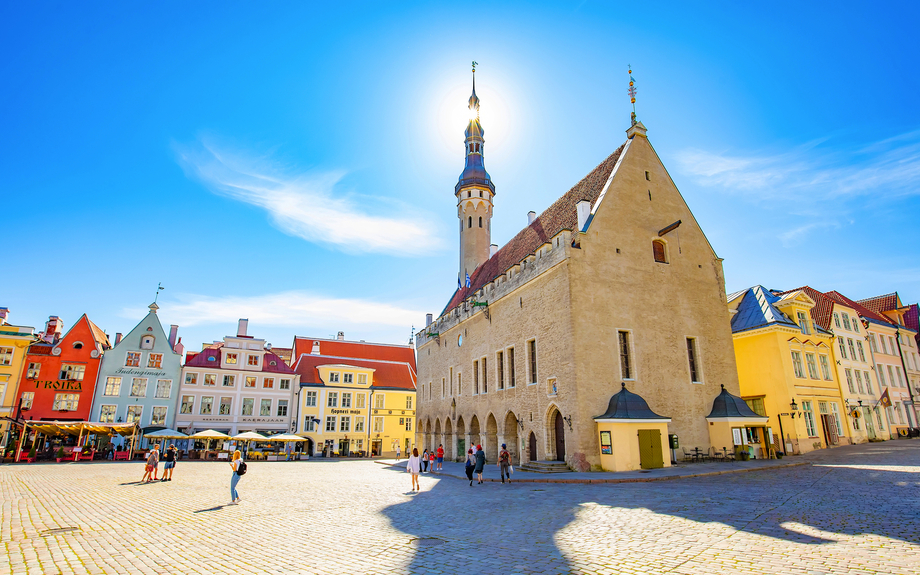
785,369
14,341
354,405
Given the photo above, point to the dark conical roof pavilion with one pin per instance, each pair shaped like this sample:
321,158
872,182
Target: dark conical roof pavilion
627,405
728,405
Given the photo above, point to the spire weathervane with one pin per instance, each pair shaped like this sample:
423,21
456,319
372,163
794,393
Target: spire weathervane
632,95
159,289
474,99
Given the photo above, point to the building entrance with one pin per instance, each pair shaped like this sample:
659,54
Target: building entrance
532,451
650,455
560,437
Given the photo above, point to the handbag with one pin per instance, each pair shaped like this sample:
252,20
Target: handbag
510,469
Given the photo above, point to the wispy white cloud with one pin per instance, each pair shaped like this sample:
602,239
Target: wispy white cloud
301,309
810,173
795,236
309,205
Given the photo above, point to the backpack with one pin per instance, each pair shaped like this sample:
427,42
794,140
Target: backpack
241,468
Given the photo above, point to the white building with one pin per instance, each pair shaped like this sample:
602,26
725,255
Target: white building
237,385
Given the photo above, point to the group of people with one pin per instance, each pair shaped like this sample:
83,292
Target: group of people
475,463
152,465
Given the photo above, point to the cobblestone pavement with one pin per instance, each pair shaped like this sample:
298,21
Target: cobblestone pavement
853,510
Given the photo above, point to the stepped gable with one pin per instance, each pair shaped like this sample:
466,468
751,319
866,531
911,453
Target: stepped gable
862,310
824,306
561,215
881,303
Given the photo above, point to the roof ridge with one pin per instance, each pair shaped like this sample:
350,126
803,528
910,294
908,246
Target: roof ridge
353,359
404,346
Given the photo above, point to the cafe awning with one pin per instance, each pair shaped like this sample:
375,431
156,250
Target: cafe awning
209,434
166,434
83,427
250,436
285,437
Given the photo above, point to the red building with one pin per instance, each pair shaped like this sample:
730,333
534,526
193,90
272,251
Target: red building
59,373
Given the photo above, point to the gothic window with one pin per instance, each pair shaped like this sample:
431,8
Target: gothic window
480,221
658,249
471,221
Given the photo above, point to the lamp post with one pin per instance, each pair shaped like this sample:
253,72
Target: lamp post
793,409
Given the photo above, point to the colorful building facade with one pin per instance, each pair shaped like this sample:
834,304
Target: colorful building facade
356,397
785,368
14,341
139,377
59,372
235,386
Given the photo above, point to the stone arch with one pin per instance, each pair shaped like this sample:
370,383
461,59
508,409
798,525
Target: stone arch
510,435
549,426
437,434
460,450
449,443
491,439
475,432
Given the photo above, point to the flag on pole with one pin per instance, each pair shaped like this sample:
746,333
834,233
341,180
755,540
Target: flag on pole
459,285
885,399
467,280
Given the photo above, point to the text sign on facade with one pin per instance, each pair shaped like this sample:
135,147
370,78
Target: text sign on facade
60,385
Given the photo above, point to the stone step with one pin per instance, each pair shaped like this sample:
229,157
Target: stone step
545,467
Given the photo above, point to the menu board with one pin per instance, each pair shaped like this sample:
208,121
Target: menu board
606,444
736,435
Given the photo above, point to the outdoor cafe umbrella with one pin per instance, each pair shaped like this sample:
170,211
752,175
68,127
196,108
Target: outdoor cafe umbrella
167,434
208,435
249,436
285,437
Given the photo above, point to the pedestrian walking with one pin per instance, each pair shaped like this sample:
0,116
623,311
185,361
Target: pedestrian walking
397,452
169,459
480,462
153,462
431,459
239,468
440,456
470,465
413,466
424,461
504,463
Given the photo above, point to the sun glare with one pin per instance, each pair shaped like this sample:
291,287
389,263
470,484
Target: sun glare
454,114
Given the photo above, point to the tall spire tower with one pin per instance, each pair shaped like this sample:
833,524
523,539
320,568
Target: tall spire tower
474,192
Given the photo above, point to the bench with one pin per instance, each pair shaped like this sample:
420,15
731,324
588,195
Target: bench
24,456
78,455
121,455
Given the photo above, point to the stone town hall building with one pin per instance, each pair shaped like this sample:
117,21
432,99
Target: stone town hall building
613,288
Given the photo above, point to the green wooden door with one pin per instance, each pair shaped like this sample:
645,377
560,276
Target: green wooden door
650,456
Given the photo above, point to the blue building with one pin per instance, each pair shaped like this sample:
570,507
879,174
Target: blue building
139,377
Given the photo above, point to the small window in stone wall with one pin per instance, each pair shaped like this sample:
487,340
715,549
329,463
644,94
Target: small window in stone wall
551,386
660,251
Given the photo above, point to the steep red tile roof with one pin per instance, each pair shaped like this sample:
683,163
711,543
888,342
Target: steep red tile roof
355,349
99,335
560,216
388,374
200,359
862,310
279,367
824,306
912,319
881,303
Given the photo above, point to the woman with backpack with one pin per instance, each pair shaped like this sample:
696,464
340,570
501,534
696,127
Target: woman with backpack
239,468
470,465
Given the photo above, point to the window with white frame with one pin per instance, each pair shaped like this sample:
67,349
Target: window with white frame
408,424
362,378
282,407
205,406
134,413
872,343
852,348
803,323
191,378
27,398
155,360
112,386
232,358
485,376
900,376
868,383
210,379
348,378
846,320
248,406
72,372
309,424
862,353
252,359
850,385
34,370
345,423
332,399
265,407
881,377
6,356
797,365
188,404
330,423
133,359
881,340
107,413
379,401
250,381
311,399
225,404
268,383
859,384
476,377
512,381
825,368
360,400
809,419
346,401
164,388
139,387
500,369
158,417
229,380
891,380
408,402
812,365
359,424
378,425
333,377
836,319
891,346
284,384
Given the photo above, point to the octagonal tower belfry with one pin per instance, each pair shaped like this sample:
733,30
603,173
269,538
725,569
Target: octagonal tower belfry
474,193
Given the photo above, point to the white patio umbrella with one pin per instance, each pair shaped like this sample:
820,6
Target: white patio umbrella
167,434
249,437
285,437
209,434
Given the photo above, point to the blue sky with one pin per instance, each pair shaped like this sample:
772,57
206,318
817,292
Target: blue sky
294,163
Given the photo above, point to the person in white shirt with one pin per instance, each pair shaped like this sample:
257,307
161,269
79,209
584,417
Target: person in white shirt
413,466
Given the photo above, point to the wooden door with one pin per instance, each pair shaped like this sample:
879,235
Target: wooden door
532,451
560,437
830,429
650,455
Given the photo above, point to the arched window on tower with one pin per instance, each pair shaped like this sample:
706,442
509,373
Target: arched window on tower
480,221
659,249
471,221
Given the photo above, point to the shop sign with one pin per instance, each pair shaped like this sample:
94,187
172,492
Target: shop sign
347,411
215,419
60,385
128,371
263,420
606,444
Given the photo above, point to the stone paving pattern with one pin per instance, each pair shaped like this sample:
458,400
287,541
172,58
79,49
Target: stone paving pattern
850,510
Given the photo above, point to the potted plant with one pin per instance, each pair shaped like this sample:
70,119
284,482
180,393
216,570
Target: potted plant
60,454
32,452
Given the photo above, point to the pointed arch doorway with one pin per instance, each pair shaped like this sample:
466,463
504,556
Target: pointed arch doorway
532,447
560,437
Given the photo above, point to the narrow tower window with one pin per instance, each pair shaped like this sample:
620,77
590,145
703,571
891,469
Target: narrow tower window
471,221
480,221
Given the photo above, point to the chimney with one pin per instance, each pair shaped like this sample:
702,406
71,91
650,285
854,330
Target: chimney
4,313
584,210
492,249
428,319
268,347
243,326
315,350
53,329
179,348
173,332
531,216
340,336
117,338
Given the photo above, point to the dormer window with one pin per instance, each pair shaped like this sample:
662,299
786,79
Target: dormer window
78,345
803,323
846,320
147,342
232,358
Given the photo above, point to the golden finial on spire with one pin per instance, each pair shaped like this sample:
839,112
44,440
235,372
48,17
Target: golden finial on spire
632,95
